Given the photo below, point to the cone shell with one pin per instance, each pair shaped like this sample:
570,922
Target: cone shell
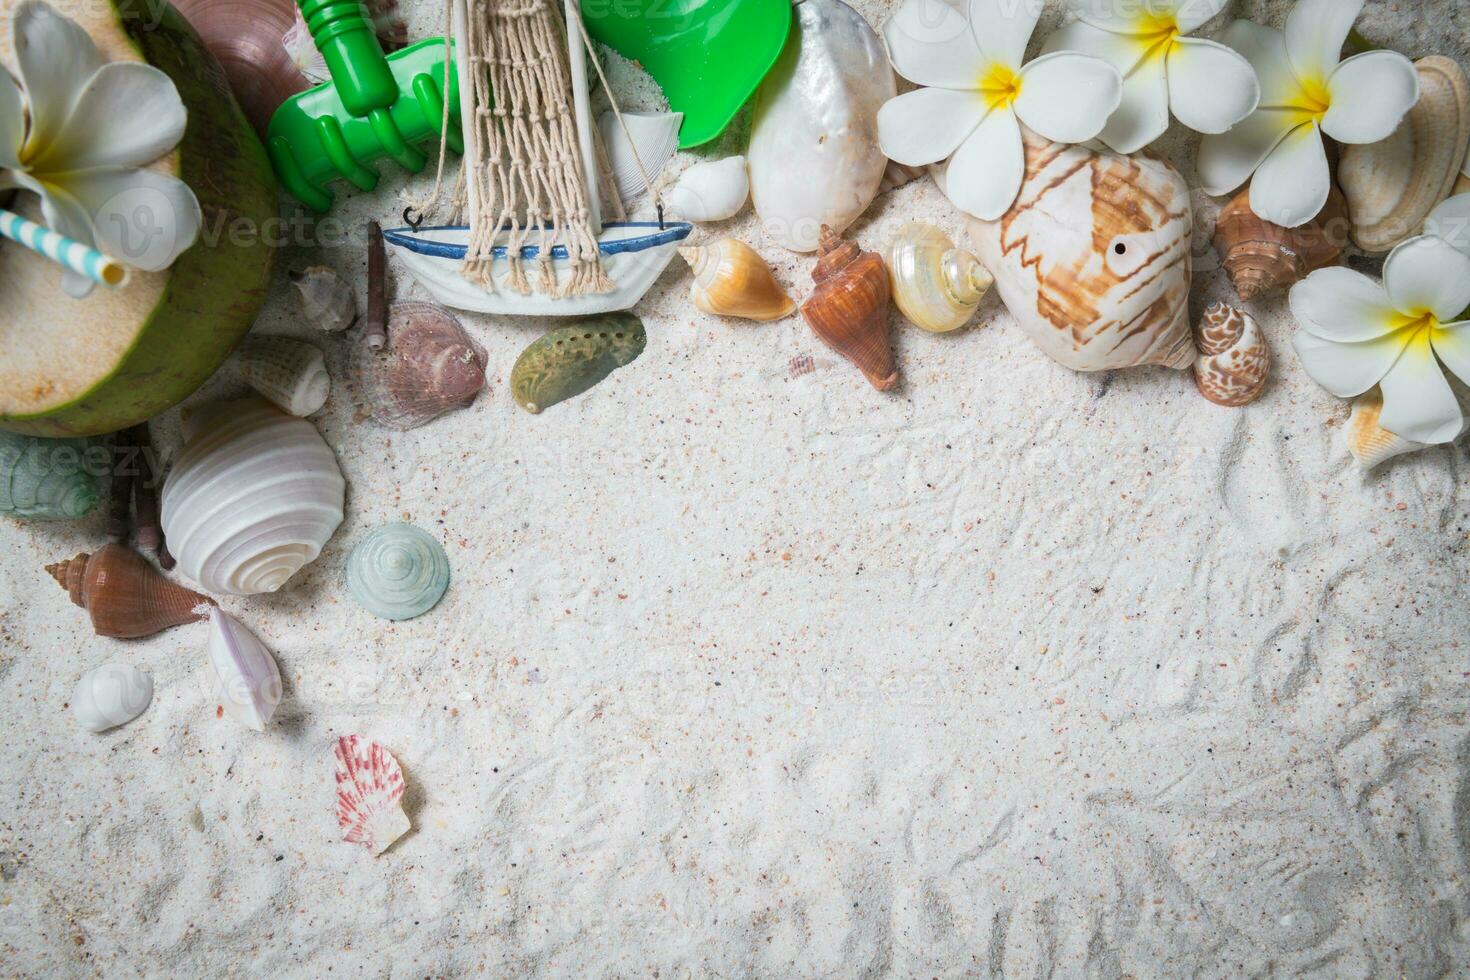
369,794
1093,258
246,680
254,495
1369,442
1234,361
731,279
569,360
428,367
123,594
398,572
937,286
710,191
849,308
111,695
327,302
291,374
1391,186
1261,258
48,479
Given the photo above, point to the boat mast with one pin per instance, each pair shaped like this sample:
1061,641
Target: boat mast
581,105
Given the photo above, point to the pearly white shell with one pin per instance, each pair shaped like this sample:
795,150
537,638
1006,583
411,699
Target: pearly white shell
253,496
937,286
289,373
111,695
814,157
245,679
655,137
711,191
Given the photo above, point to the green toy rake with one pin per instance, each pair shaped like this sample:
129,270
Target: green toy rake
374,107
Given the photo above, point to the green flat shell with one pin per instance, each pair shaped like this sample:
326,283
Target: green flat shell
571,359
398,572
48,479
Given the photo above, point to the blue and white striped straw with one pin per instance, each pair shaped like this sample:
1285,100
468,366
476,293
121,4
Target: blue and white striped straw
58,248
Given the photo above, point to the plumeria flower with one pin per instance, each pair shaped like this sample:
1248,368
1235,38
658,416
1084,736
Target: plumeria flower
78,132
1208,86
1356,333
979,86
1305,92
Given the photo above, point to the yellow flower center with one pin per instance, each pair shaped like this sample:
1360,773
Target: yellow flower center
1000,86
1157,33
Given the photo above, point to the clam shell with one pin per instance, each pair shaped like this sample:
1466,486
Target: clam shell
569,360
398,572
326,301
1234,360
429,366
1391,186
246,681
369,794
48,479
731,279
655,137
291,374
937,286
1370,443
711,191
111,695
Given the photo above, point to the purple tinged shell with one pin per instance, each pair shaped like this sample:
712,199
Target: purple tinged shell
247,682
429,366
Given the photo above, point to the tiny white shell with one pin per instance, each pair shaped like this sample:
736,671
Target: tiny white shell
710,191
111,695
656,137
245,679
289,373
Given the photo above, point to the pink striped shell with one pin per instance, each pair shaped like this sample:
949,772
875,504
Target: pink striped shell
369,791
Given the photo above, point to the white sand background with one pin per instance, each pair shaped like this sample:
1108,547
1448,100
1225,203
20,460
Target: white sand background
1013,672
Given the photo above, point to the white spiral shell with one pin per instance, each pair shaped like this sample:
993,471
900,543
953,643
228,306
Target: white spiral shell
253,496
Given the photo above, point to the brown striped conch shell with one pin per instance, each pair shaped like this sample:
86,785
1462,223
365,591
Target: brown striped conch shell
731,279
1391,186
850,306
1093,259
1233,361
1261,257
1369,442
123,594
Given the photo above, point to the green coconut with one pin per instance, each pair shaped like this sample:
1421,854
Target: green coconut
85,367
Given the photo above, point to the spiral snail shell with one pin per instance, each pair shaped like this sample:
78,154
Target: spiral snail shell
731,279
937,286
398,572
849,308
46,479
124,596
1234,361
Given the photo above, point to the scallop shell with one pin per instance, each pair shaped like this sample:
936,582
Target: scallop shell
569,360
123,594
327,302
111,695
1369,442
398,572
937,286
1391,186
655,136
48,479
1234,360
246,681
369,794
428,367
289,373
253,496
1261,257
711,191
731,279
1093,259
849,308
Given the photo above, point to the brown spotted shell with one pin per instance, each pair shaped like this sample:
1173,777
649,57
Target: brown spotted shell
429,366
849,309
1234,361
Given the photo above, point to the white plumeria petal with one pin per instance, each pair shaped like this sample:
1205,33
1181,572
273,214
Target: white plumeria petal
1194,14
1451,222
1291,185
12,121
1418,403
1428,275
1067,97
1211,87
930,43
1003,28
127,115
1121,51
1227,160
1341,305
1348,370
139,217
1265,49
928,124
1371,94
984,176
1132,17
56,57
1142,115
1316,30
1452,343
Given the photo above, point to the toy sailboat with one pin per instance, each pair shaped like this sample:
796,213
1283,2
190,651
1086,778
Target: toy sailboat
534,243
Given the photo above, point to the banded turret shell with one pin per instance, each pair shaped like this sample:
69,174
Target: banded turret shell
937,286
428,366
1234,360
731,279
289,373
123,594
849,308
369,794
253,496
569,360
111,695
1093,258
48,479
1261,257
398,572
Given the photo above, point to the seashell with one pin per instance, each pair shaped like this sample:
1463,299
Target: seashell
655,137
47,479
244,675
123,594
814,157
569,360
327,302
1093,259
937,286
1234,360
398,572
253,496
711,191
1391,186
111,695
289,373
369,794
1261,257
428,367
849,308
731,279
1369,442
897,175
